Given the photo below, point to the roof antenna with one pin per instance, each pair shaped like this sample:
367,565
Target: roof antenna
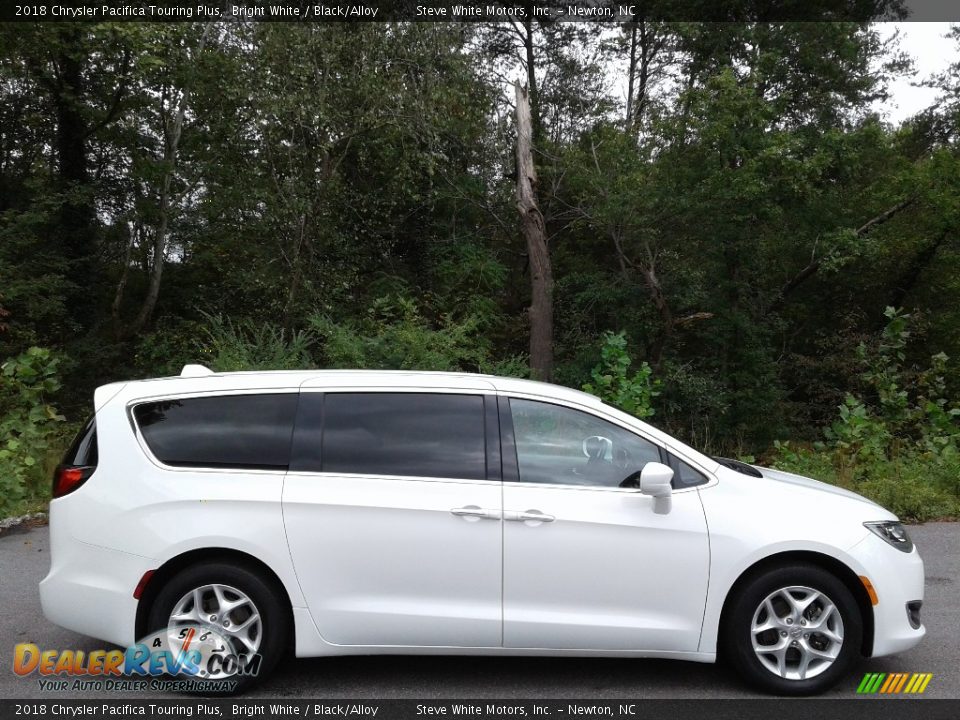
195,371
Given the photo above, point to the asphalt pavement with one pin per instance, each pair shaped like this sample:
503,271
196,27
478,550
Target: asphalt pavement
24,560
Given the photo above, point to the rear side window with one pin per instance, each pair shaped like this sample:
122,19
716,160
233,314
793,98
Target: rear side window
407,434
83,450
229,431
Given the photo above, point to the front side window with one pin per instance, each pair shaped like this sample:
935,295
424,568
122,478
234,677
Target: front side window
562,446
227,431
408,434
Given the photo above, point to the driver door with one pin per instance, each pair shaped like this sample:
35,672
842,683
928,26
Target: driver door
587,564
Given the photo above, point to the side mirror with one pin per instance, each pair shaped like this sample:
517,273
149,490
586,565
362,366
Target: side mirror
654,480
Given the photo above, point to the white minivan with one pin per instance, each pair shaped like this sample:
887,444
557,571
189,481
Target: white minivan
371,512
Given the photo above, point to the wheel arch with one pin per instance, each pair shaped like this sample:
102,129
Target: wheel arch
181,562
831,564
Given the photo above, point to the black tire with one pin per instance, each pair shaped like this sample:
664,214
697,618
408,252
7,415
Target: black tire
737,643
271,606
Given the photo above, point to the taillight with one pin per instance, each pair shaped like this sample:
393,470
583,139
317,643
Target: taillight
79,462
67,478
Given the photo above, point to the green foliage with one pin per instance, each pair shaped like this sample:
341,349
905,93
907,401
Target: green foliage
911,413
164,351
613,383
393,334
901,448
857,436
917,487
341,196
694,404
229,346
30,427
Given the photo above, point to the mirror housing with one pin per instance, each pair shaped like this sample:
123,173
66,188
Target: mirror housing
654,480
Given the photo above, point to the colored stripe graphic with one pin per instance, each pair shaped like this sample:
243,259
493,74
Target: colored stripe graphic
870,683
903,681
891,680
894,683
918,683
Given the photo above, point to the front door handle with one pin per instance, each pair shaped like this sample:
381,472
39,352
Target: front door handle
475,512
528,516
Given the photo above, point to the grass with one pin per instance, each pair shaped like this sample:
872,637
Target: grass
917,487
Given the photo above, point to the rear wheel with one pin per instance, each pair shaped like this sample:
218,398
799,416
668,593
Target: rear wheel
793,630
234,606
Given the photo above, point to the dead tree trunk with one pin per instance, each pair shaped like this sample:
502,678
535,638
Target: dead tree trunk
534,232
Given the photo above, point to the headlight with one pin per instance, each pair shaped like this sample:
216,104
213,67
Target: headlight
893,532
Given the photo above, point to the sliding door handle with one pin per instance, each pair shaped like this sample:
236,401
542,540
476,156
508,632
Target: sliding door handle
528,516
475,512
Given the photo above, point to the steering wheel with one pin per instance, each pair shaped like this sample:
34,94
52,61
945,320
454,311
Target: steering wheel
622,458
595,447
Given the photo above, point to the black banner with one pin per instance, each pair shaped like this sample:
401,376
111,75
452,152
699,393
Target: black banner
226,709
591,11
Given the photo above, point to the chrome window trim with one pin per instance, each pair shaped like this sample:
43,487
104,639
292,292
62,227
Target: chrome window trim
145,448
391,478
535,397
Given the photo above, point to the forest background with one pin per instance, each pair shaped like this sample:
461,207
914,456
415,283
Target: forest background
740,248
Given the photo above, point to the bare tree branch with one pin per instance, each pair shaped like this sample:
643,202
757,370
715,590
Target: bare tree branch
816,262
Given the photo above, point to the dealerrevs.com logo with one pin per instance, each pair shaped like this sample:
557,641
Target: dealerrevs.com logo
894,683
194,658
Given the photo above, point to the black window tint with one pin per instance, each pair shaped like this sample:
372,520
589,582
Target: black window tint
687,476
83,450
231,431
413,434
562,446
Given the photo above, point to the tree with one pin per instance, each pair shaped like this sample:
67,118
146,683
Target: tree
534,232
650,48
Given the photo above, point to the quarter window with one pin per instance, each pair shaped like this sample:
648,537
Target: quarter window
229,431
408,434
559,445
84,449
687,476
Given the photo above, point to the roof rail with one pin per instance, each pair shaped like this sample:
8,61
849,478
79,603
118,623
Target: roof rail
195,371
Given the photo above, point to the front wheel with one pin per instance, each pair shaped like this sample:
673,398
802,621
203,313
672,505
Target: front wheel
793,630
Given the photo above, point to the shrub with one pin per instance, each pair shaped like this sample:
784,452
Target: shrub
613,383
31,429
229,346
901,445
916,486
394,334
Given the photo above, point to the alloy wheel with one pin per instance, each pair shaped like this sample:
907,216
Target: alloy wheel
797,632
225,609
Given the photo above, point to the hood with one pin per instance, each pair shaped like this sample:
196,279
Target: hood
809,483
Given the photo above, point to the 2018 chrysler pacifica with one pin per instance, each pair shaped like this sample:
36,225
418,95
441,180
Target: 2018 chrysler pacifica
365,512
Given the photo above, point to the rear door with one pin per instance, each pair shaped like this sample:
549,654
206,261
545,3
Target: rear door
393,515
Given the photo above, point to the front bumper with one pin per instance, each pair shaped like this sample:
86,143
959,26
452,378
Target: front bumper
898,580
